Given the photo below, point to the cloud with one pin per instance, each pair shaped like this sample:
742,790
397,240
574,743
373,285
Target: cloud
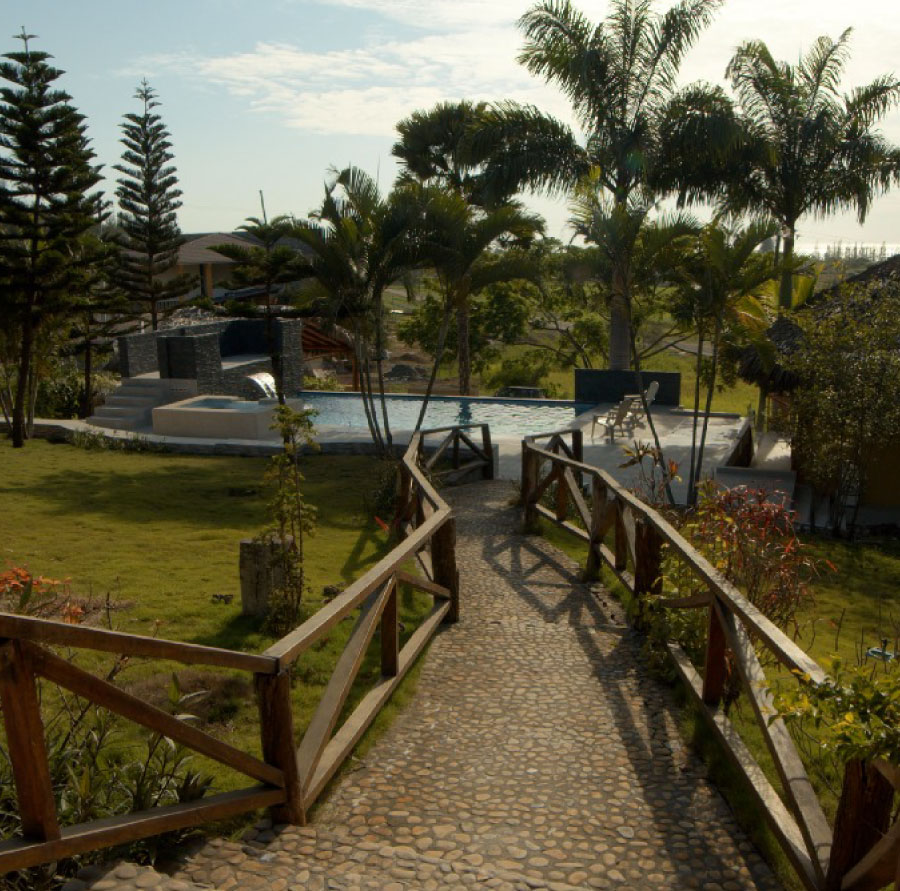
366,90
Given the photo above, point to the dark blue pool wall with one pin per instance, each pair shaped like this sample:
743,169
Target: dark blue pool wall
595,385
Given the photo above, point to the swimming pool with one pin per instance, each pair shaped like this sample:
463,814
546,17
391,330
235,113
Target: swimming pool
507,417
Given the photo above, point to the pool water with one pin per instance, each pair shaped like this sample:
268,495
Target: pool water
507,417
230,403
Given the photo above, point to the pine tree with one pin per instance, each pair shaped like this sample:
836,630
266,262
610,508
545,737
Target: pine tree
45,206
148,196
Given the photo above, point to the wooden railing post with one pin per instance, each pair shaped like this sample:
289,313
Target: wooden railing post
598,510
578,445
621,552
489,471
714,672
404,482
455,458
25,744
276,726
443,562
647,563
562,494
530,468
863,817
390,637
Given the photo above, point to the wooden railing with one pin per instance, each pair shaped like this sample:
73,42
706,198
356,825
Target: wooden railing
861,853
289,777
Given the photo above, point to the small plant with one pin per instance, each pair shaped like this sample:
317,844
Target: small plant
95,770
653,483
853,714
292,517
329,382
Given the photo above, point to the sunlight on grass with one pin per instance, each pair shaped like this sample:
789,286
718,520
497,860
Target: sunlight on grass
160,534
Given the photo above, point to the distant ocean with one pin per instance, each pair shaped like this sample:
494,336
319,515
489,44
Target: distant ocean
865,248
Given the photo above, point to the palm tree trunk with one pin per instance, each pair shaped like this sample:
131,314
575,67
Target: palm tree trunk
439,354
462,340
358,351
379,349
620,322
786,287
709,396
699,369
639,378
761,408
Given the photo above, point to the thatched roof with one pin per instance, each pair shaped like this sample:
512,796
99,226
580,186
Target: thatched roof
785,335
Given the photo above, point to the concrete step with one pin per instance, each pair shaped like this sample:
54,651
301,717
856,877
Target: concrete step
116,423
117,411
126,400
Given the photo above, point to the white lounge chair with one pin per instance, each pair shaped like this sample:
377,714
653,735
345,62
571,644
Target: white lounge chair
621,416
649,395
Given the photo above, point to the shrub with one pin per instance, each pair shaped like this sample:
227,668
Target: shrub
752,542
95,770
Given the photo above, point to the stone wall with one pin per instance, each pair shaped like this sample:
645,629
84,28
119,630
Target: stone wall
137,354
196,353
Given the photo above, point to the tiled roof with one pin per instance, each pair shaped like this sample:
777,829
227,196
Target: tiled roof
197,251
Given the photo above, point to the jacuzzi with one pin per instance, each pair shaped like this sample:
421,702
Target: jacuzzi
216,417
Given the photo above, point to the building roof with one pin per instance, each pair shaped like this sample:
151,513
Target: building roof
198,249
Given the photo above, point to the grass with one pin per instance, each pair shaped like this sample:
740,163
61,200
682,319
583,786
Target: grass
160,533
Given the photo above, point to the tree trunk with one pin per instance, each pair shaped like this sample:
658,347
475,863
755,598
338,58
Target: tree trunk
19,413
761,405
87,403
379,349
709,396
639,378
462,340
619,324
786,287
154,316
699,369
442,340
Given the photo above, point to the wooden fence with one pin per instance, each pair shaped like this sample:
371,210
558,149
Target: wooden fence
863,850
288,778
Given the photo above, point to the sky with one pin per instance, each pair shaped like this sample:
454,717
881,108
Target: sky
269,94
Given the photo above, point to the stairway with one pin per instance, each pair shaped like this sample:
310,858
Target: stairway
130,407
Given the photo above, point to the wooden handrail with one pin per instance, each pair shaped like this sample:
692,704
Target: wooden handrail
293,776
83,637
824,859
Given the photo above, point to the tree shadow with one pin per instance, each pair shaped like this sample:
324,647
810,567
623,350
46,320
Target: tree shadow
643,709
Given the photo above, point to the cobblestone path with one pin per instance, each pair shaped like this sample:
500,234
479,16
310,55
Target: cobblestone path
537,753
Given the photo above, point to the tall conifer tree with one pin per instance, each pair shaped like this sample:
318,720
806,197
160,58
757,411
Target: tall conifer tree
45,179
148,196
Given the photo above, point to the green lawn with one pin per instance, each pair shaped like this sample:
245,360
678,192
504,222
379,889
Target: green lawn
160,533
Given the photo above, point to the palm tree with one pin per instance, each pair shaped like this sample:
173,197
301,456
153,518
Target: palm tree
359,243
806,148
723,278
654,251
436,149
464,245
266,262
620,77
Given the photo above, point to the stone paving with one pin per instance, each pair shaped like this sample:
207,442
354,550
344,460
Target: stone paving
536,753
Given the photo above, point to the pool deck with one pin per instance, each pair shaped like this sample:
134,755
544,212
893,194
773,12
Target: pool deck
673,426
